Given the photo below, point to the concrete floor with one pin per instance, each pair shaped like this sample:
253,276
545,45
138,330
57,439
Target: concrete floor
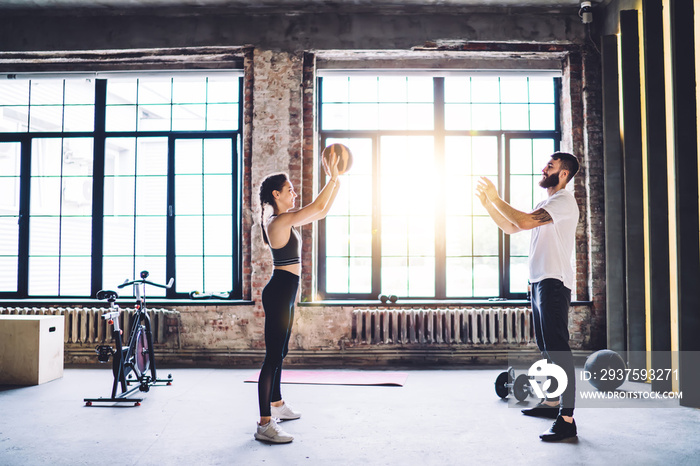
207,417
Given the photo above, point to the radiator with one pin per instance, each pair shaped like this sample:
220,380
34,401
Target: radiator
85,325
443,326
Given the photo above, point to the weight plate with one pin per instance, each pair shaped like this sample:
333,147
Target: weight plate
521,387
501,381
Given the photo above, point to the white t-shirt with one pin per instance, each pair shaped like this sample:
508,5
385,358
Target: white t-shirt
552,245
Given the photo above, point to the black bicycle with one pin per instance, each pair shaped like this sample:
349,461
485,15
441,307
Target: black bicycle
134,362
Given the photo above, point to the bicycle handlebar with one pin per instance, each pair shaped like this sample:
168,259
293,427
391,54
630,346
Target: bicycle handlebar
134,282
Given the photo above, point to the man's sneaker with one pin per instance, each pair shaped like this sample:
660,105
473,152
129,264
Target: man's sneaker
272,433
542,410
284,412
560,430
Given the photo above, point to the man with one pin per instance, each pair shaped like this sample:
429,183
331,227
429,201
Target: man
553,224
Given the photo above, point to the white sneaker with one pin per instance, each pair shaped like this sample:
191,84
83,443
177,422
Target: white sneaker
284,413
272,433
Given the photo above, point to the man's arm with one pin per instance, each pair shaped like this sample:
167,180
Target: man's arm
518,219
503,223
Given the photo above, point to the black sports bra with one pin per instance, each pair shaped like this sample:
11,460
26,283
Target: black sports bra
290,253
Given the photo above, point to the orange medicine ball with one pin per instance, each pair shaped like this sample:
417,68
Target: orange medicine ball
343,152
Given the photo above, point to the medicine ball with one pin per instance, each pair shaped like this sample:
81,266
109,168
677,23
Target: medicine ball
606,369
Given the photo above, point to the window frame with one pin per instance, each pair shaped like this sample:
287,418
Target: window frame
440,134
99,135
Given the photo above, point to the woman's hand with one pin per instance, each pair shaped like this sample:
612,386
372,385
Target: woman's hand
333,166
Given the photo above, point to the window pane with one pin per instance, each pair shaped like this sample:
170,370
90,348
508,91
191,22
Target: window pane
116,270
46,92
75,276
363,89
79,118
360,241
217,194
151,195
189,117
9,239
335,89
218,236
519,245
218,273
76,236
222,89
363,116
189,231
120,118
218,156
149,233
541,90
458,116
486,242
189,90
485,89
190,274
46,118
154,118
8,272
188,156
395,276
14,92
393,89
519,274
421,277
514,116
486,116
337,270
14,119
521,157
121,91
457,89
154,90
486,276
337,236
420,89
43,276
360,272
514,89
118,236
222,117
458,236
542,117
79,91
188,194
459,277
420,116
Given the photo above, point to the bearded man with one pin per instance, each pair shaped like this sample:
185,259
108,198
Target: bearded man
553,225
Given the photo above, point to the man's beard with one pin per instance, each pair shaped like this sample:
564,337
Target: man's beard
550,181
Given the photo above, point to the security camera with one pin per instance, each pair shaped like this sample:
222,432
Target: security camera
586,12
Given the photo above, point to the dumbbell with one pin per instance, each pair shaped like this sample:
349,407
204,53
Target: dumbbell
391,298
507,383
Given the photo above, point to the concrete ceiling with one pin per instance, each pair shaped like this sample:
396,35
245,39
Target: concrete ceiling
307,5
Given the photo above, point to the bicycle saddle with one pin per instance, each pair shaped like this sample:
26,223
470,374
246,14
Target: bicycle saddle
109,295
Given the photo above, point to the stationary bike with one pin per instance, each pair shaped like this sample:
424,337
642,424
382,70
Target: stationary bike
137,358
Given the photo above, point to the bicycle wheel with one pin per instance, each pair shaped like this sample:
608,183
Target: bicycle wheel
142,359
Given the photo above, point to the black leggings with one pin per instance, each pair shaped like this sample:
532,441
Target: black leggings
550,307
278,298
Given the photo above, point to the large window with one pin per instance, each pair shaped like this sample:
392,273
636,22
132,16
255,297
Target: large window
407,221
103,177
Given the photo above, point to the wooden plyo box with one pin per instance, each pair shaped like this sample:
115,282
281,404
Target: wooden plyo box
31,349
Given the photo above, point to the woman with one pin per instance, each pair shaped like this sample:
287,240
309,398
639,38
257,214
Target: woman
279,295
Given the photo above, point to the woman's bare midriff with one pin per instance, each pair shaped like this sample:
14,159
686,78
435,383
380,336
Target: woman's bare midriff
292,268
